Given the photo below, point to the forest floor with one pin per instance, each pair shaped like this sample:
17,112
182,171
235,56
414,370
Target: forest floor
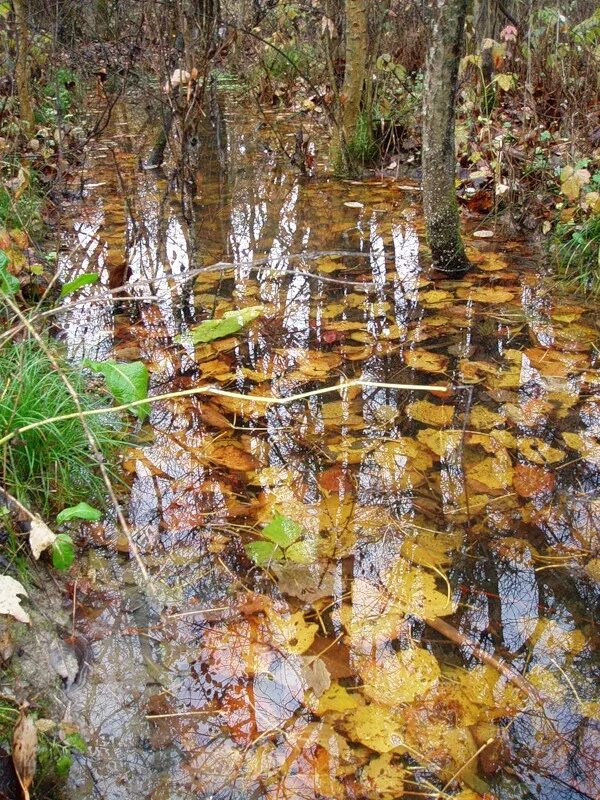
373,592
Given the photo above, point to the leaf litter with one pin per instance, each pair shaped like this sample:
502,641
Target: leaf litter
302,550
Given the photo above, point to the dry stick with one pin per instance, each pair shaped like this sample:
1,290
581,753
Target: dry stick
92,442
282,401
451,633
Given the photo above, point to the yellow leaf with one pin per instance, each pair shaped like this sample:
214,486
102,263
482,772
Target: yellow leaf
430,413
442,442
482,419
383,777
292,633
400,677
415,592
584,443
425,361
485,295
336,698
436,298
430,548
539,452
492,473
374,726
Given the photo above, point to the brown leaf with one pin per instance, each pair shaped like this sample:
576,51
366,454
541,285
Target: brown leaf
24,749
530,481
232,457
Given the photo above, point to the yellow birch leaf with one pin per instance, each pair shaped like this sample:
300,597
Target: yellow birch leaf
482,419
539,452
425,361
430,413
336,698
441,442
415,592
383,777
400,677
374,726
292,633
484,294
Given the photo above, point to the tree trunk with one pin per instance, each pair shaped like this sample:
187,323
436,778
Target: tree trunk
22,65
445,21
357,43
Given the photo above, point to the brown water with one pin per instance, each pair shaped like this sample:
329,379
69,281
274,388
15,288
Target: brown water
315,674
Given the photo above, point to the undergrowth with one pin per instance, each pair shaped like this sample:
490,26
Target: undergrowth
577,248
51,466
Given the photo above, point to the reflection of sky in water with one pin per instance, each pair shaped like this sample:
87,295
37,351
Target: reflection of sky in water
264,215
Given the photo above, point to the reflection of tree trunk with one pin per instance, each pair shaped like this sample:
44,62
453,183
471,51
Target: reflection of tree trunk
445,28
157,156
22,65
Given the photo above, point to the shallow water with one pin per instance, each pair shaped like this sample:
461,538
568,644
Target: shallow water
322,672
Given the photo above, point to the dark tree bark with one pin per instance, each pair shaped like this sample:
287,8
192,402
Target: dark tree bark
445,20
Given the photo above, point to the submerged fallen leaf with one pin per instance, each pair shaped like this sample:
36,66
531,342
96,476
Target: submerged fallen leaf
292,632
374,726
430,413
384,777
424,361
538,451
529,480
398,678
415,591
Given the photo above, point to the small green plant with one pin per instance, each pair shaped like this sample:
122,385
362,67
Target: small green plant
24,213
280,539
577,248
51,466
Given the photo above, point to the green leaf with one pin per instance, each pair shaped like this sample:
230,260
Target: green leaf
80,511
82,280
63,764
126,382
76,742
8,283
230,322
63,551
263,552
282,531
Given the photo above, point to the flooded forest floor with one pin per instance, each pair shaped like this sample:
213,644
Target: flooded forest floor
343,590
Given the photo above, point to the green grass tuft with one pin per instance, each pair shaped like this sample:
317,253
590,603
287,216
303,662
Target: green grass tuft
577,249
50,467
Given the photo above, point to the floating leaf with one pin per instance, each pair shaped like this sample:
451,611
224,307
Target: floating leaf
63,551
80,511
230,322
127,382
538,451
10,590
82,280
